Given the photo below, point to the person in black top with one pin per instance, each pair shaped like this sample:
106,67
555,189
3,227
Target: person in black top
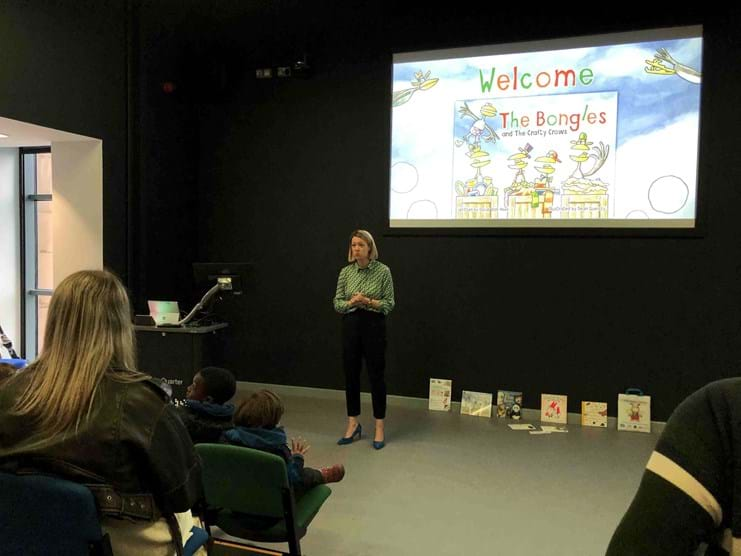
690,494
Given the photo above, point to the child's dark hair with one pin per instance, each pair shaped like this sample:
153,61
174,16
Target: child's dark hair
262,410
218,383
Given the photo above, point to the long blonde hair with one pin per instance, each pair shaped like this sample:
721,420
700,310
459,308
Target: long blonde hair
88,333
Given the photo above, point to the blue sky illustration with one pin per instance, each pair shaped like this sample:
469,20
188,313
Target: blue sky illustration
654,122
646,102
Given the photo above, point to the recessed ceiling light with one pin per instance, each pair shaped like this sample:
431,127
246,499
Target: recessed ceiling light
3,136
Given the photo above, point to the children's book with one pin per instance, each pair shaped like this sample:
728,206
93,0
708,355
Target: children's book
553,408
509,404
634,411
440,392
476,403
594,414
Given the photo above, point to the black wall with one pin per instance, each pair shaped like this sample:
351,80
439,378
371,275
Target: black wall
64,65
278,173
289,168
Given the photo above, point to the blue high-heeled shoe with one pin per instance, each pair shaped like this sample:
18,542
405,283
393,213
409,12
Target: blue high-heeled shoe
349,439
378,444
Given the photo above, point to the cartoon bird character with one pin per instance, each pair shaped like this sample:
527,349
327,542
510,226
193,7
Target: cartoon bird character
546,169
582,148
422,82
480,128
658,66
519,163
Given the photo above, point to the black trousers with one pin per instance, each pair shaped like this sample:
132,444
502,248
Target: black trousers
364,338
310,477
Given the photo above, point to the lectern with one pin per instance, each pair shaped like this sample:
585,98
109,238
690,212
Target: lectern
175,354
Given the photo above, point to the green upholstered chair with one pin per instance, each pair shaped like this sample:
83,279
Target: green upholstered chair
248,496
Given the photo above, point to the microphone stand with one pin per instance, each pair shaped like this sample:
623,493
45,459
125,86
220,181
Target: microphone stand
221,284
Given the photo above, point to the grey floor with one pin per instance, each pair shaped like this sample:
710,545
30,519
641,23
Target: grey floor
450,484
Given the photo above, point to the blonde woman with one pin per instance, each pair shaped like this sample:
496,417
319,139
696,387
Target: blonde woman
83,412
364,296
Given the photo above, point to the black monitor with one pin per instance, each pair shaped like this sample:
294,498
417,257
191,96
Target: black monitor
232,276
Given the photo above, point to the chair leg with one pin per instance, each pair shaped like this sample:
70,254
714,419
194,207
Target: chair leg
289,513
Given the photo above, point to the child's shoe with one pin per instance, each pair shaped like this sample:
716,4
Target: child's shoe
333,474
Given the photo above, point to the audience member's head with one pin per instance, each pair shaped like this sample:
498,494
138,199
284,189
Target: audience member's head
212,384
6,371
262,410
88,333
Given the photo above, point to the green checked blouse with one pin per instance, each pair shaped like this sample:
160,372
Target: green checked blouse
374,281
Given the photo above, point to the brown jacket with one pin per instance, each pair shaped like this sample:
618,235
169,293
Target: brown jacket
134,451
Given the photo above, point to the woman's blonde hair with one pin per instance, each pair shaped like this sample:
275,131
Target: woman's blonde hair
366,237
88,334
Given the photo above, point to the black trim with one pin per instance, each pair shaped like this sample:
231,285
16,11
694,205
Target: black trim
34,150
289,515
23,199
22,247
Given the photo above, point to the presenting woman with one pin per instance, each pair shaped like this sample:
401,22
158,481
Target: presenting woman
364,296
82,411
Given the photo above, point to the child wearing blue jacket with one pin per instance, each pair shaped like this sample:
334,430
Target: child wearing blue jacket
205,411
257,426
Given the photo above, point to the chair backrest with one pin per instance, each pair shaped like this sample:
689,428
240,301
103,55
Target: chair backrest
41,515
243,480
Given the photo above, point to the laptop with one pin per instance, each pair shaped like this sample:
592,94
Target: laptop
164,312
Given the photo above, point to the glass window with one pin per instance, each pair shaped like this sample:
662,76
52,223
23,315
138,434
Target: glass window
38,241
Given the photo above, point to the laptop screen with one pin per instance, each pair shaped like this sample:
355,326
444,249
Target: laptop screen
163,307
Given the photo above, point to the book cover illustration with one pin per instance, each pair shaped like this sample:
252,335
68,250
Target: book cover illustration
594,414
509,404
634,413
553,408
476,403
440,392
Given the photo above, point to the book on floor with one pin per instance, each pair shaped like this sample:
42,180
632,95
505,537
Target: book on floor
476,403
440,392
594,414
553,408
634,411
522,427
509,404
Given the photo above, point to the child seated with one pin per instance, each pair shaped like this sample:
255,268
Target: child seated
257,426
205,412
